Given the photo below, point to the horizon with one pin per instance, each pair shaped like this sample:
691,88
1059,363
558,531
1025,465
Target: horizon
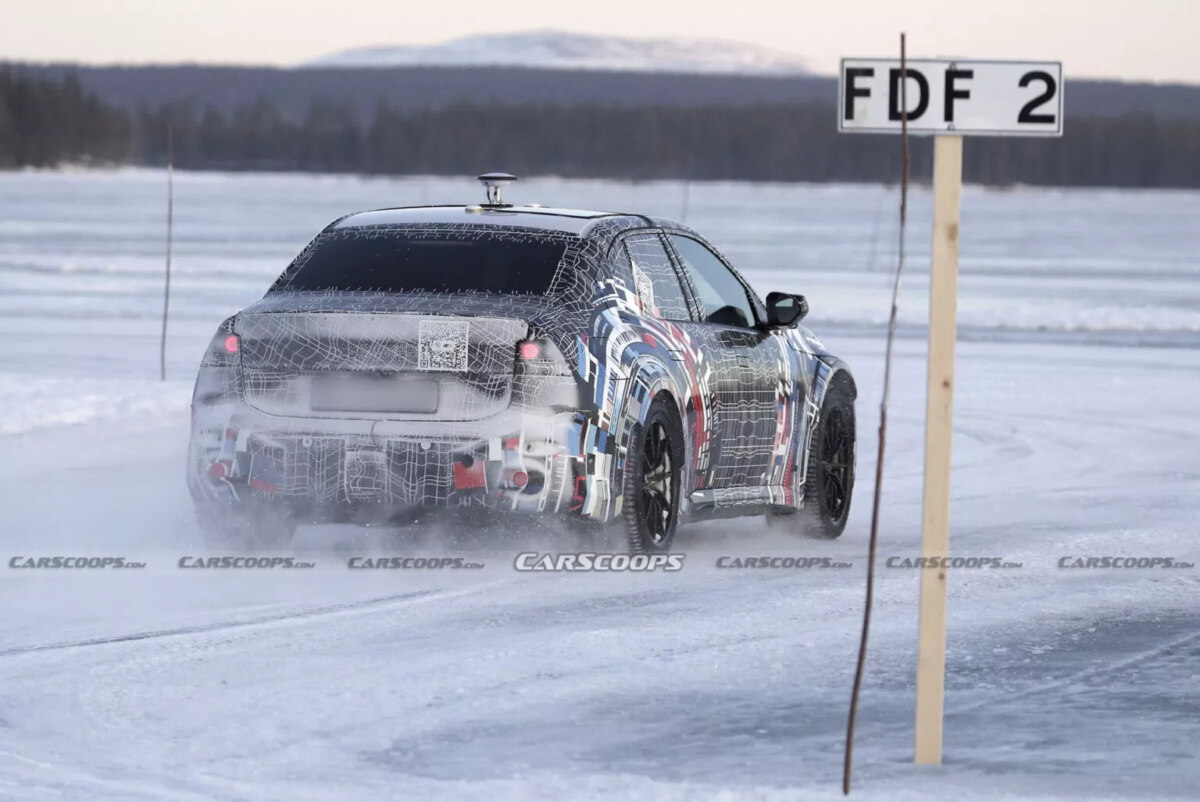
833,76
1119,41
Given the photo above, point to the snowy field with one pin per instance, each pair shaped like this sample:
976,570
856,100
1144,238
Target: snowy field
1077,435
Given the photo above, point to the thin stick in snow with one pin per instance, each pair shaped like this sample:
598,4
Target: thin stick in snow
887,380
162,349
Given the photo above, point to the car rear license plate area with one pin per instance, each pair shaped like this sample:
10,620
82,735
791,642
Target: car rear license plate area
343,392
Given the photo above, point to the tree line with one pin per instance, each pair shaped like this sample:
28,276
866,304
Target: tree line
44,122
47,122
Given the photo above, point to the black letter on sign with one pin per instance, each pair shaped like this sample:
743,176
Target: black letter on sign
852,91
894,111
1050,85
952,93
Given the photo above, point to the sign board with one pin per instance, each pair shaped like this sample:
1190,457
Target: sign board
946,96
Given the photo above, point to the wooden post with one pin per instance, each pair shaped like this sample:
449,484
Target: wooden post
939,415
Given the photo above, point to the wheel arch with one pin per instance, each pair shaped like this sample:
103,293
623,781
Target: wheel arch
839,376
656,382
833,372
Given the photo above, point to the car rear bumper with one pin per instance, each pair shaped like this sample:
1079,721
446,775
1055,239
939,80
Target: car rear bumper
351,469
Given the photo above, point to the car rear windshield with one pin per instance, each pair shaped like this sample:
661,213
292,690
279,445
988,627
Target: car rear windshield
406,261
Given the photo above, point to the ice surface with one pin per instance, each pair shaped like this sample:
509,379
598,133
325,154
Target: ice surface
1076,434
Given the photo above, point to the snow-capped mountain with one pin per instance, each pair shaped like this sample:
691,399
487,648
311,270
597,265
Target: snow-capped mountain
574,51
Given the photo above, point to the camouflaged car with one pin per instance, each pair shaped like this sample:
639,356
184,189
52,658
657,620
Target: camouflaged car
600,366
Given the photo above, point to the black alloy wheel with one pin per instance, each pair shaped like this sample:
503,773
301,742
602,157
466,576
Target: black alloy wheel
652,478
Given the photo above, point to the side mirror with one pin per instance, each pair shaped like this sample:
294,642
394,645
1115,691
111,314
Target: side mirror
785,309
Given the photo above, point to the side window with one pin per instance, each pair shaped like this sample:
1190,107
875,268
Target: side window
723,298
655,279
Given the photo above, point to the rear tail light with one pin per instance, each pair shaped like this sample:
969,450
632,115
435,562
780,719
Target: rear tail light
541,357
223,349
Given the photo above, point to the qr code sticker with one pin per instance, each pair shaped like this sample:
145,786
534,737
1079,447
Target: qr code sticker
443,345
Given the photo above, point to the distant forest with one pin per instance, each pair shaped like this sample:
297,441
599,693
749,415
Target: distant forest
49,118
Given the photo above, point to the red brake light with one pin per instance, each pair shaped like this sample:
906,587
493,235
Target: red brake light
231,344
529,350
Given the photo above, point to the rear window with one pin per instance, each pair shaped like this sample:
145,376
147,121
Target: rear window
389,260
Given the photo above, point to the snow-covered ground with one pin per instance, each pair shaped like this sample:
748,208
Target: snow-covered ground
1076,435
565,50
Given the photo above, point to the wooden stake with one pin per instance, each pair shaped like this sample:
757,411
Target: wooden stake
939,418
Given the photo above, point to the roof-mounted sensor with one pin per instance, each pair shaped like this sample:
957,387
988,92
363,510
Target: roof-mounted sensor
492,184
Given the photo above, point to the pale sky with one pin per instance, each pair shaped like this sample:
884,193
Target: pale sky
1149,40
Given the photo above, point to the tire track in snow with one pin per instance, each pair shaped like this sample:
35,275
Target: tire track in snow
1078,676
200,629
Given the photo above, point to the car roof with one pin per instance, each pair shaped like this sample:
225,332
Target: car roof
570,221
